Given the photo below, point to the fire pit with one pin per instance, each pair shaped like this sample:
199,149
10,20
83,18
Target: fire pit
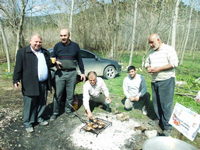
117,136
97,126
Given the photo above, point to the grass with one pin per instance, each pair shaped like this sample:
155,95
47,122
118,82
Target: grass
187,72
4,71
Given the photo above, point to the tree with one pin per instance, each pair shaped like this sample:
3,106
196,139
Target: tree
188,32
133,33
193,47
21,23
174,24
71,16
14,12
5,45
115,28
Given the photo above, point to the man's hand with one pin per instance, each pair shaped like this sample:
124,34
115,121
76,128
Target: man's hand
108,99
83,78
16,85
158,69
155,70
132,99
58,65
137,98
89,114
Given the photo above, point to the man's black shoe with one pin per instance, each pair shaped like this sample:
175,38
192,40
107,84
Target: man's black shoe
108,109
53,118
167,132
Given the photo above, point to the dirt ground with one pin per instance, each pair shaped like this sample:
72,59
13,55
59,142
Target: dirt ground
54,136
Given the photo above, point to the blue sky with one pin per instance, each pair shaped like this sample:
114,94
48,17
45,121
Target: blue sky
196,3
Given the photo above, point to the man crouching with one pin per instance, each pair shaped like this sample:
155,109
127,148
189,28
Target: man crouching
135,89
92,90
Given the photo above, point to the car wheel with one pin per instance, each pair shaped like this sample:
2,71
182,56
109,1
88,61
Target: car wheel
109,72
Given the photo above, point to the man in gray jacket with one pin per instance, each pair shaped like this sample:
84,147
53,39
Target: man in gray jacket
135,89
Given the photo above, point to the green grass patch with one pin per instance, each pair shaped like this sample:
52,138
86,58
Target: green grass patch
4,71
187,72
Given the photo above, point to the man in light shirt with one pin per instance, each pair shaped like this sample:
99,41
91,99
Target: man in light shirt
92,90
135,90
32,68
161,63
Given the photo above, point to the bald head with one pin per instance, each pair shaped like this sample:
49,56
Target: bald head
92,74
64,36
65,30
154,41
92,77
154,36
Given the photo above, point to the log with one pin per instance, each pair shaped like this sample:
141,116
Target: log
185,94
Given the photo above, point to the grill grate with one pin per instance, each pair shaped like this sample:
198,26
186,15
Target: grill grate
97,130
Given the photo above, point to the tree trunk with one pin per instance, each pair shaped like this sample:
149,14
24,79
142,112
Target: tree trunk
195,46
6,45
161,11
20,27
188,32
194,36
71,17
182,40
133,34
169,34
114,42
174,24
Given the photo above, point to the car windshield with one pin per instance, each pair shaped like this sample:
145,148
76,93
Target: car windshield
85,54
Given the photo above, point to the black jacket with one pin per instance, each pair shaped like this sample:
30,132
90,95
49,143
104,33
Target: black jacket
26,71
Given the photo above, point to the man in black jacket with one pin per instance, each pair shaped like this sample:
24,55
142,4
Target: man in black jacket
32,68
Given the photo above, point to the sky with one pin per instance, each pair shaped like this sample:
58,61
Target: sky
42,9
196,3
47,7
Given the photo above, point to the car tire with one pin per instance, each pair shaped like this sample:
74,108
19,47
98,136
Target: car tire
109,72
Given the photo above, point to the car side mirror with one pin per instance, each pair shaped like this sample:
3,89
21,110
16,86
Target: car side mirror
96,57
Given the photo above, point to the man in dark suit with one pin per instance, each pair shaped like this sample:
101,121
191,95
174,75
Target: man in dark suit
32,68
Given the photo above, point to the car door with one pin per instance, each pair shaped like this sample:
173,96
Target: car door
91,63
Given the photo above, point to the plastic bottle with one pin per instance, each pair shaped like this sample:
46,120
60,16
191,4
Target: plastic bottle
75,103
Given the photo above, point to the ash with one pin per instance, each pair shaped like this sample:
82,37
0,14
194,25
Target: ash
114,137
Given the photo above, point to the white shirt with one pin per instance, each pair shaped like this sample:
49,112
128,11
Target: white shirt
133,87
42,66
94,91
165,55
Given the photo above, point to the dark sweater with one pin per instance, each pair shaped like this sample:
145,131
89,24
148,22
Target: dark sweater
69,56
